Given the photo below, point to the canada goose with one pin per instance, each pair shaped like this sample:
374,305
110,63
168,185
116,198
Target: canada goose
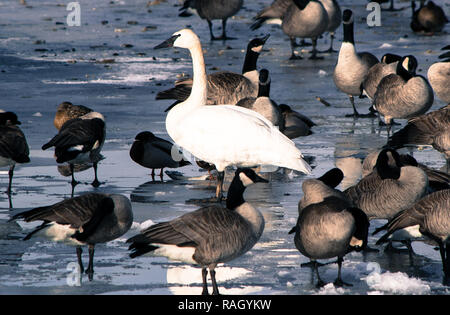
403,94
390,188
88,219
13,144
334,19
295,124
352,67
225,87
262,103
305,19
66,111
432,129
432,215
79,141
205,130
439,76
328,226
214,10
428,19
154,152
377,72
209,235
437,180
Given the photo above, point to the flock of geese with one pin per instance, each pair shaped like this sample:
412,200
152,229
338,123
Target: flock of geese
331,223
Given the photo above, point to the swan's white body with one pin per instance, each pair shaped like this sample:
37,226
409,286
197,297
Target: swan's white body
226,135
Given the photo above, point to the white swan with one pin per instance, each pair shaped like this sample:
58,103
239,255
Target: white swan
225,135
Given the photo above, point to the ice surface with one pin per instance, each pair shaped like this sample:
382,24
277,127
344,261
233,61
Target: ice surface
43,63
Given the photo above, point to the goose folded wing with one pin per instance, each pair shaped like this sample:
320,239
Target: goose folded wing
76,211
13,144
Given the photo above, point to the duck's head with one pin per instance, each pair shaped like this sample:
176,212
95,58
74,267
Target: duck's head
185,38
256,44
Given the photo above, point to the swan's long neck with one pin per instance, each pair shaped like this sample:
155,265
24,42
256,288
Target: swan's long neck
199,86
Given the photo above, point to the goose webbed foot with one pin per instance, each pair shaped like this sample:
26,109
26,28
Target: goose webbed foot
383,124
295,57
320,284
340,283
96,183
328,51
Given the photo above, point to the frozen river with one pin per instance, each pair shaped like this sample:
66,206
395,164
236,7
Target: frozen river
108,64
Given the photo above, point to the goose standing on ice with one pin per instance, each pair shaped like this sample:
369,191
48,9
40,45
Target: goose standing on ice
403,94
295,124
225,87
154,152
428,19
390,188
13,145
334,19
439,76
214,10
79,141
262,103
305,19
209,235
225,135
432,215
377,72
352,67
432,129
328,226
88,219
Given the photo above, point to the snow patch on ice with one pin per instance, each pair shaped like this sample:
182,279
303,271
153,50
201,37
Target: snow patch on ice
330,289
141,226
395,283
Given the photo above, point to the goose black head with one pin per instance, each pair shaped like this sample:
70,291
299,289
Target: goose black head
9,118
243,177
407,66
145,136
390,58
301,4
256,44
388,164
284,108
332,178
347,22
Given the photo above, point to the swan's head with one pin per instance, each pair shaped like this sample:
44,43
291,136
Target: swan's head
184,38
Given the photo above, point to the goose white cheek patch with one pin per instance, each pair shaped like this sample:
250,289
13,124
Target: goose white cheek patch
245,180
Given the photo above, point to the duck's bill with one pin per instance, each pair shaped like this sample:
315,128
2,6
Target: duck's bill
168,42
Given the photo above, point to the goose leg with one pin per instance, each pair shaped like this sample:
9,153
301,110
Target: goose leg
314,50
74,182
80,261
219,188
161,174
293,55
355,112
320,283
205,284
10,173
212,272
338,282
90,268
95,183
211,30
224,31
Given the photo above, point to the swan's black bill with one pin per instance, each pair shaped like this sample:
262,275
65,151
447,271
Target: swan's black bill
168,42
172,106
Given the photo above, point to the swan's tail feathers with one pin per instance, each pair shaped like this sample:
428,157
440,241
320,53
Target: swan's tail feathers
298,164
